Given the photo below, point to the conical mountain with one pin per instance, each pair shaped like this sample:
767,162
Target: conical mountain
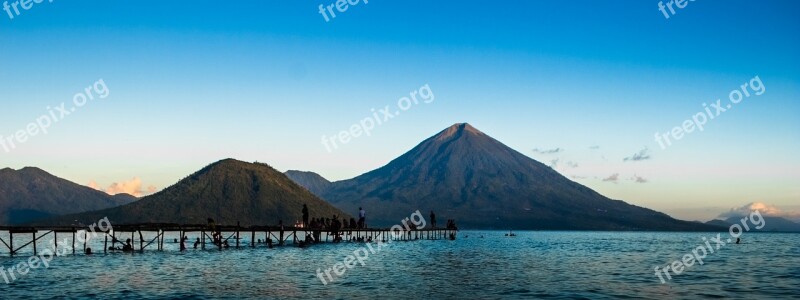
463,174
31,193
229,191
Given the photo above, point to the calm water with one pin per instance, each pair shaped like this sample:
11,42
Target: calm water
594,265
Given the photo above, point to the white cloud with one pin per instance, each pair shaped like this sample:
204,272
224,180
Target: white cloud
764,209
133,187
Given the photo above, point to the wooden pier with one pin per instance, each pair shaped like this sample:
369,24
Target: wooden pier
270,236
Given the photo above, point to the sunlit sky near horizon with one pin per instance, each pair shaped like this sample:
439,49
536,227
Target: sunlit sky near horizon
194,82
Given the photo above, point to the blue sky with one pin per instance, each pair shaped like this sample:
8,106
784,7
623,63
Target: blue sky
194,82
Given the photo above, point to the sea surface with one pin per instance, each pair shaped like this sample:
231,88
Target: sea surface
477,265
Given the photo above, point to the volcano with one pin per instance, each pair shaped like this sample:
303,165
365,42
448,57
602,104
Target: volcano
463,174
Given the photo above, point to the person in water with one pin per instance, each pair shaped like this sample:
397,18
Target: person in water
196,243
128,247
88,251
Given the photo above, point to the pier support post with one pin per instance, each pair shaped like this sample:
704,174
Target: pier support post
237,235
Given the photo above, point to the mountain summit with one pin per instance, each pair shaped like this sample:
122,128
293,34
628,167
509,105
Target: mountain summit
463,174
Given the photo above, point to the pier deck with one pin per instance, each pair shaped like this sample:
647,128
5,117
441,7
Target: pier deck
269,235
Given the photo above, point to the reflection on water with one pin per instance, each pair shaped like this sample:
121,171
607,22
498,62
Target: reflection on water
533,264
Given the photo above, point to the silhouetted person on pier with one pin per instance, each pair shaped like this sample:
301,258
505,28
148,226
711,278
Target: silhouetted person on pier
335,226
362,217
353,223
305,216
127,247
433,219
451,224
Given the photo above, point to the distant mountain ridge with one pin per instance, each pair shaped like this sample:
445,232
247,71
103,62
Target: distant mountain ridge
310,180
229,191
771,224
30,194
463,174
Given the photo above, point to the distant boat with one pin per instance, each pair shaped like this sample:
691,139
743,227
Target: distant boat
510,233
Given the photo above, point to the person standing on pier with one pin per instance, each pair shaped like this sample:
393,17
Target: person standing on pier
362,218
305,216
433,219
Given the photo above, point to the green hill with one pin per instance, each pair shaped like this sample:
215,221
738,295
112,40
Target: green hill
229,191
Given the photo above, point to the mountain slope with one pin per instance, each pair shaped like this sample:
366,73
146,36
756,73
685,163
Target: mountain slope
463,174
310,180
31,193
229,191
